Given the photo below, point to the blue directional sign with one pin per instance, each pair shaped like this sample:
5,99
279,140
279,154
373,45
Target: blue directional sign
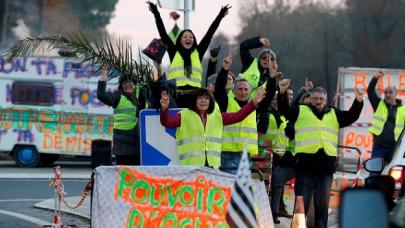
158,144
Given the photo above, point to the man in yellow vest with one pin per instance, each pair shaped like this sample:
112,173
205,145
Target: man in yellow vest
388,119
272,126
316,137
241,135
126,108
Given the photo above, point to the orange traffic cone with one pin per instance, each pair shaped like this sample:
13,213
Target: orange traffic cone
298,220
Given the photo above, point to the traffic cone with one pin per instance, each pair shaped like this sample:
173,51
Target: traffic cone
298,220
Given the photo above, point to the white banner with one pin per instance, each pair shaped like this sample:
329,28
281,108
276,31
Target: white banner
358,135
167,196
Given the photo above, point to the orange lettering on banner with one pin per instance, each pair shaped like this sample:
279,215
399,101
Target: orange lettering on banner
360,80
47,142
69,143
401,84
358,139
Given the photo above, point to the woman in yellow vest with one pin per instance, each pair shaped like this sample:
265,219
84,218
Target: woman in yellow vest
199,128
186,55
256,70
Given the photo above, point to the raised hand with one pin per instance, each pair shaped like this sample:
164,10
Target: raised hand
164,101
215,51
225,10
265,41
227,62
308,85
359,93
103,75
283,85
261,93
152,7
378,75
273,67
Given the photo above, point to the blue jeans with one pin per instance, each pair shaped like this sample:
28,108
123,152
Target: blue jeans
384,152
318,186
230,162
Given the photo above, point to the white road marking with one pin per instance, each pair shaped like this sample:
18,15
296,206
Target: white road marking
21,200
37,221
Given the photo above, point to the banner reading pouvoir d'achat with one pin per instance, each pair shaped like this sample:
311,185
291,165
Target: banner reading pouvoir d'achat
170,196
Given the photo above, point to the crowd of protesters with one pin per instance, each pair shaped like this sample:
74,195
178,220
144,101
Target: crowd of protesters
236,111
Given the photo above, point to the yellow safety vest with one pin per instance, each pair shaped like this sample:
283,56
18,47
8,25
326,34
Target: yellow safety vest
252,75
279,141
399,122
125,115
240,135
195,142
177,70
312,134
380,117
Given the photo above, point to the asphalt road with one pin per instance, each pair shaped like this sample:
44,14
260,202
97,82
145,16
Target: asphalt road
21,189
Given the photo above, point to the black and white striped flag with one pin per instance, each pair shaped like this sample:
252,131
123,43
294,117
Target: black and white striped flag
241,211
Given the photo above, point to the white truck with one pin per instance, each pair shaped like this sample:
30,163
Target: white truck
48,108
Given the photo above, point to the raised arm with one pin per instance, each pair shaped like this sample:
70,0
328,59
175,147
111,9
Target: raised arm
108,98
271,87
220,93
161,29
212,62
206,40
245,47
346,118
372,95
165,119
290,112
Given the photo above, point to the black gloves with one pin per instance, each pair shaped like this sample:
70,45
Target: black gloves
153,8
224,10
215,51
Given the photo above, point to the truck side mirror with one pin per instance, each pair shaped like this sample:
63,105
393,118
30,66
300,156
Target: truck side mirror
374,165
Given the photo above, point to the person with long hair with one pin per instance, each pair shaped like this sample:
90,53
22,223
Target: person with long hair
200,127
186,55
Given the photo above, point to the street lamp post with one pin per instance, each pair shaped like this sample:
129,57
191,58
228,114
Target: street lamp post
187,14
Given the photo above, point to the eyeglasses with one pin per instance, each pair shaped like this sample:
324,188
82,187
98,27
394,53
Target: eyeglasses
267,57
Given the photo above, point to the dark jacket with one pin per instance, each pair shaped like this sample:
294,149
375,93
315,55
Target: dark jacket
125,142
386,138
202,45
319,162
246,57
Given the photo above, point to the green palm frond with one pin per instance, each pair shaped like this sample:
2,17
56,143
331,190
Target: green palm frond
103,52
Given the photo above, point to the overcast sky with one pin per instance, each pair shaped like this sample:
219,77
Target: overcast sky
133,20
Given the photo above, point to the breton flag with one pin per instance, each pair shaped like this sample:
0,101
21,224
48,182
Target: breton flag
241,211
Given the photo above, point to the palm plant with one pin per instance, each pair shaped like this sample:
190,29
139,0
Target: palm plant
103,52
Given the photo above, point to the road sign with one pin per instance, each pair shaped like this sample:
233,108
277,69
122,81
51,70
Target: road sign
158,144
